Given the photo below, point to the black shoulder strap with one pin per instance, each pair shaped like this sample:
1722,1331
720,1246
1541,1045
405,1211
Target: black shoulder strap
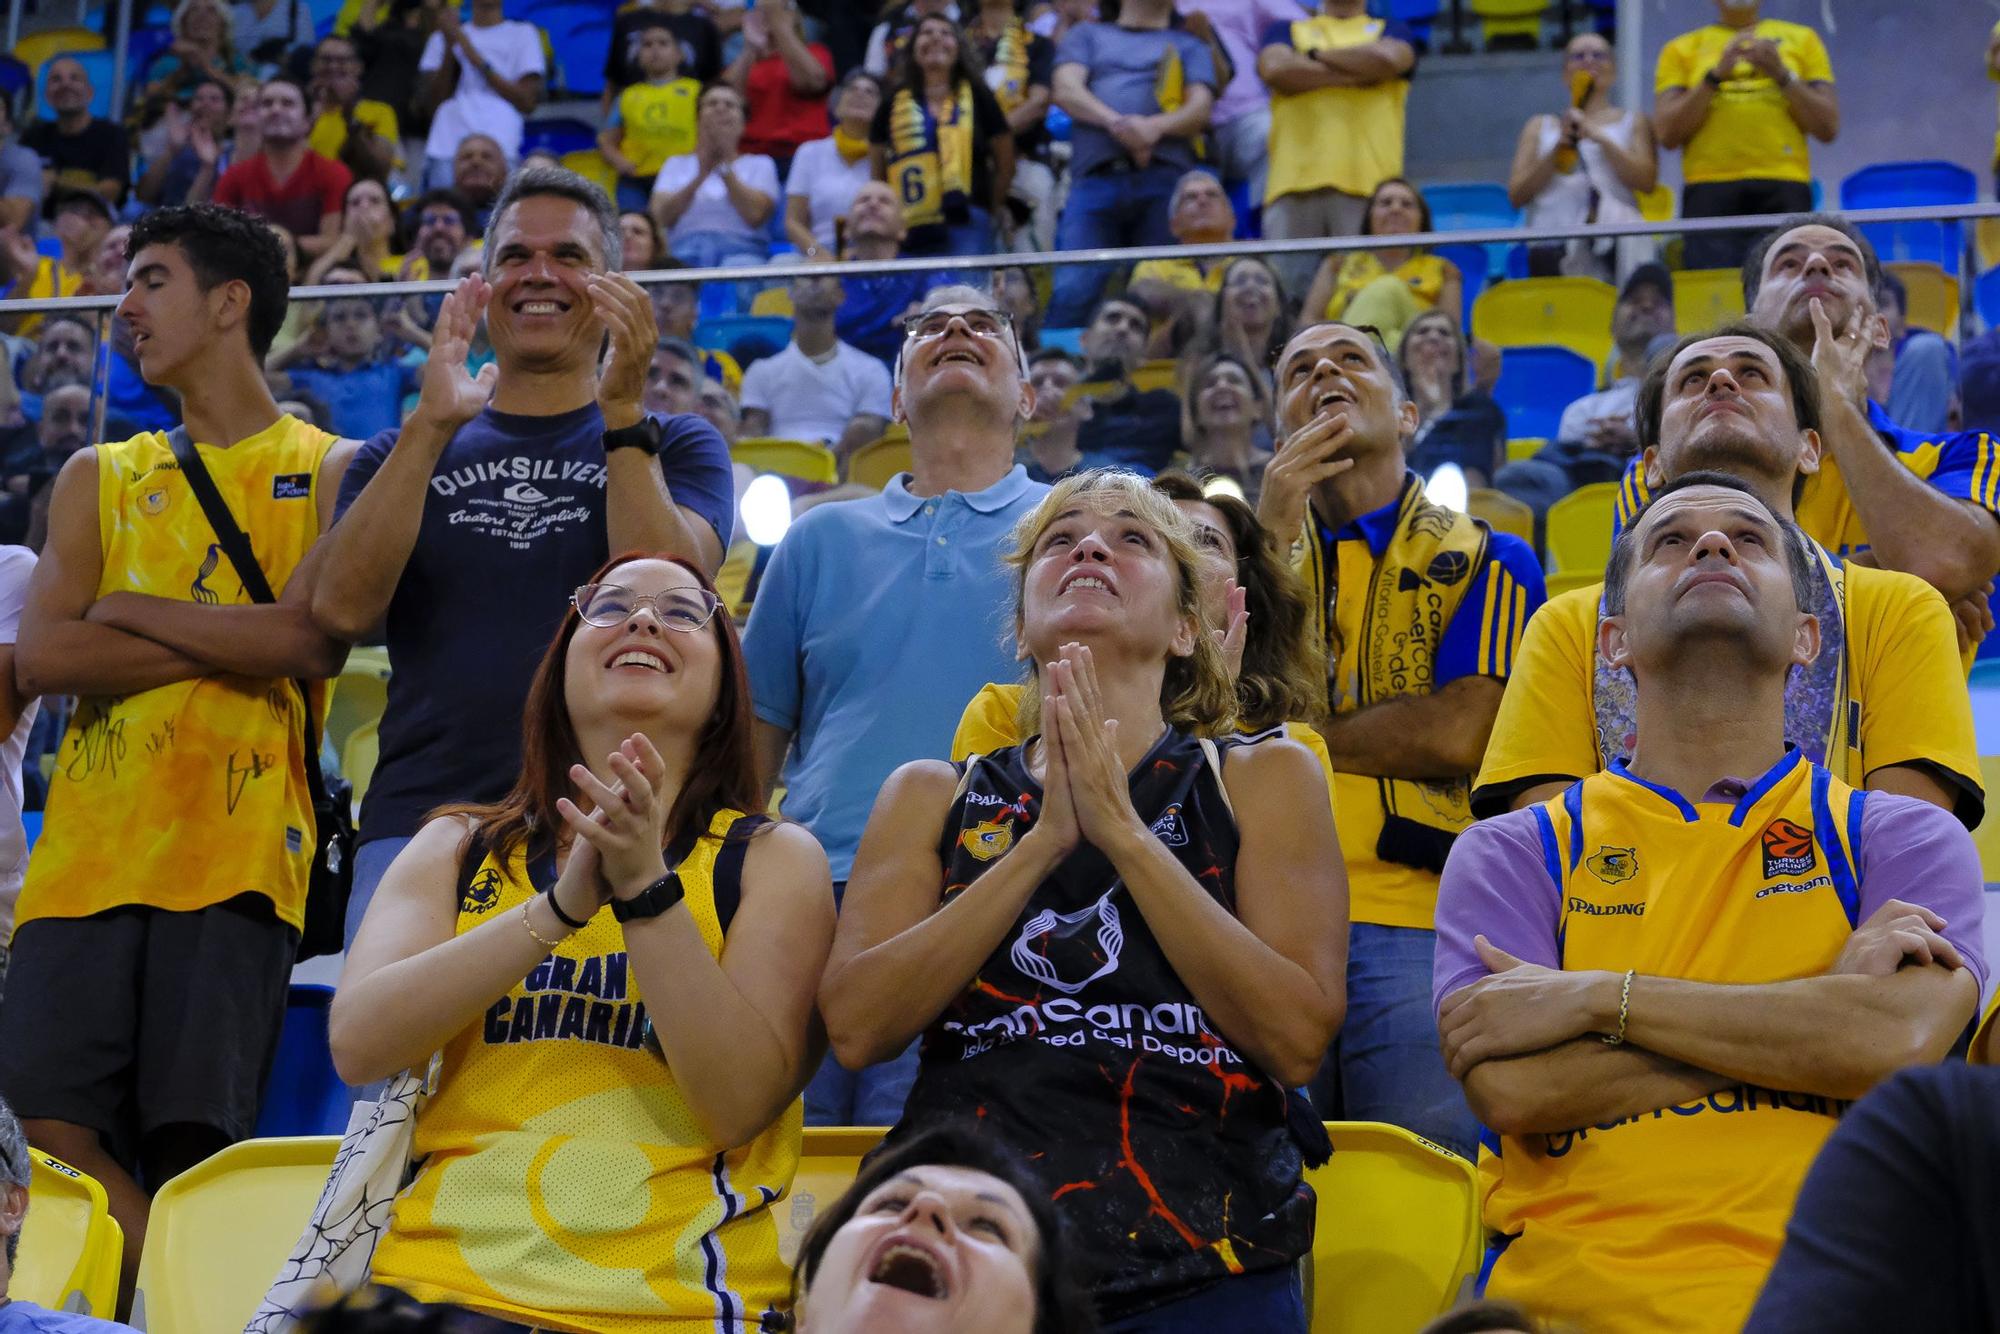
469,860
235,544
725,882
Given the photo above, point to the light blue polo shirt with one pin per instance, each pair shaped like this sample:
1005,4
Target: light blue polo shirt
876,622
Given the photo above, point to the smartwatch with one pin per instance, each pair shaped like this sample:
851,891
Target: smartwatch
643,434
651,901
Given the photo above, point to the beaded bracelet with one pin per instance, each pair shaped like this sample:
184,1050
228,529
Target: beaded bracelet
526,921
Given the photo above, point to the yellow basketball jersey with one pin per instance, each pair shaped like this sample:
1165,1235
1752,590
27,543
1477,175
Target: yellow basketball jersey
1671,1220
195,792
565,1182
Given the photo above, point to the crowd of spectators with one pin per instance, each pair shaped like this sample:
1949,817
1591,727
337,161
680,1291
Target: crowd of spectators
1277,763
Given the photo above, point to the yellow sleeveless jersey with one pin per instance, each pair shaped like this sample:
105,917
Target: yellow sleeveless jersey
1671,1220
565,1182
191,793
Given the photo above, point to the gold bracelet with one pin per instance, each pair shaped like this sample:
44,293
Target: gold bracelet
540,939
1624,1009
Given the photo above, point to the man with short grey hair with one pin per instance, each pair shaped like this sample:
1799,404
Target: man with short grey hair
466,531
17,1314
861,593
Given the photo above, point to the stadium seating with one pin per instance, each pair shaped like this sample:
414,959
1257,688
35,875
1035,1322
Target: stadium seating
1502,512
827,1166
1569,312
305,1096
876,462
1524,447
1068,340
1562,581
1986,297
1418,14
1397,1232
1579,529
358,757
559,135
580,35
1933,296
71,1248
1704,298
800,459
1465,205
1909,185
775,302
1511,23
219,1232
592,166
35,49
747,338
1473,264
360,693
1537,383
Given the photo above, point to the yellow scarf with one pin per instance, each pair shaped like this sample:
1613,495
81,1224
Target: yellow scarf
1418,583
930,159
1008,73
852,148
1170,90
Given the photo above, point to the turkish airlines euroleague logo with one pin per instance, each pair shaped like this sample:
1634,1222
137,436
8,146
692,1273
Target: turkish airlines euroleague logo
1788,849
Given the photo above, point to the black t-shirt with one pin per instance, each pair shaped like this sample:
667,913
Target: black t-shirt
1471,433
1139,429
1898,1223
701,46
988,122
513,522
1041,74
1078,1043
81,160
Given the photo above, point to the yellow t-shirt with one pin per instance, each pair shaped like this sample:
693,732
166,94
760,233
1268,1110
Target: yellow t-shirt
988,724
658,121
195,792
1906,692
565,1182
1347,139
1182,273
1424,272
1749,133
329,132
1670,1220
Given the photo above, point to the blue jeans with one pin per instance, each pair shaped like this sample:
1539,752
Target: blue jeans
715,250
974,236
1105,211
371,862
1386,1065
1270,1302
837,1096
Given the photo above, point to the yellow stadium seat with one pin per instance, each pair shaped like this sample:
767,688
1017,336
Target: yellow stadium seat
1657,204
360,693
1933,296
71,1247
1511,18
219,1232
1987,837
876,462
1704,298
1562,581
1525,448
827,1166
593,166
1570,312
358,758
790,458
1579,529
1397,1232
1502,512
35,48
776,301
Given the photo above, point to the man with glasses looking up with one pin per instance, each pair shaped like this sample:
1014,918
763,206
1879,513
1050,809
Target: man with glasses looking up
878,618
465,532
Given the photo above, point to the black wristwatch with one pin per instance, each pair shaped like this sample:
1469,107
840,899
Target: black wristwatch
642,434
651,901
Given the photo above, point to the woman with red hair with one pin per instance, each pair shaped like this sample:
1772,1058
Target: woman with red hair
617,1105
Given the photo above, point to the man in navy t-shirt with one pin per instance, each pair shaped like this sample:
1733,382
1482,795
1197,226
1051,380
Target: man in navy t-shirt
469,529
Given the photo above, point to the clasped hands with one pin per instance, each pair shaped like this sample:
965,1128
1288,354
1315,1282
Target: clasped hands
618,848
1086,791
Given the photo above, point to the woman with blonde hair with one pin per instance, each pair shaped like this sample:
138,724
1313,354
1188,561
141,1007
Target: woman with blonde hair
1155,952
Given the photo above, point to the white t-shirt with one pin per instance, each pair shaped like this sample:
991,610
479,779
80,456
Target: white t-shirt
16,564
808,400
711,210
827,184
514,50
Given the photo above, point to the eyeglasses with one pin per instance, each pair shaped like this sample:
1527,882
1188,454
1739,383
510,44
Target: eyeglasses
682,609
979,323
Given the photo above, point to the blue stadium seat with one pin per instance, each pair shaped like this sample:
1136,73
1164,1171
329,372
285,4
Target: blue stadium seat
1474,264
145,44
1461,205
98,64
31,821
581,36
1912,185
1069,340
14,78
1249,212
557,135
1986,298
305,1095
747,338
1418,14
1536,384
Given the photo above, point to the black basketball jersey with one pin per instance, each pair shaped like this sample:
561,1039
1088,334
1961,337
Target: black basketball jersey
1166,1149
